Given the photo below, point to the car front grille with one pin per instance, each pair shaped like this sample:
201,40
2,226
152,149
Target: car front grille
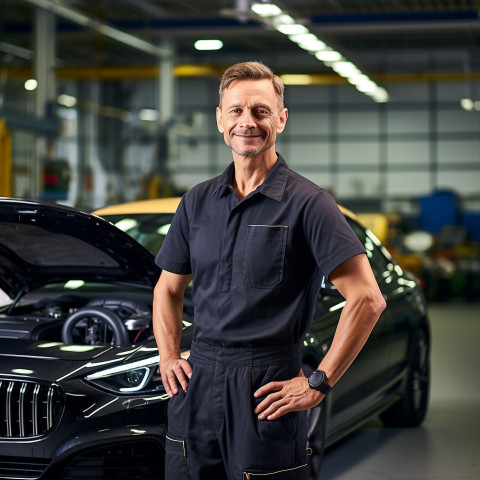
28,409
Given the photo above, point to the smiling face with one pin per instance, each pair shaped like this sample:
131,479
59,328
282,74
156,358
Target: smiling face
250,117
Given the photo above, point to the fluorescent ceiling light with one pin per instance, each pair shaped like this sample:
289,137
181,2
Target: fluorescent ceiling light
265,9
367,87
308,41
345,68
380,95
301,35
284,19
208,44
358,79
328,56
292,29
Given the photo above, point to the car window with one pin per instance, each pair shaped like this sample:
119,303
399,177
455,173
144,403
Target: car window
148,229
378,261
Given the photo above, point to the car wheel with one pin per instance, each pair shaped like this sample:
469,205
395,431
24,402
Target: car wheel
94,326
410,410
315,434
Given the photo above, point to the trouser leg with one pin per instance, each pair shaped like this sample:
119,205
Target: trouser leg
264,449
192,451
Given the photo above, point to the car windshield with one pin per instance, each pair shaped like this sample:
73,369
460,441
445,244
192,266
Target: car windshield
148,229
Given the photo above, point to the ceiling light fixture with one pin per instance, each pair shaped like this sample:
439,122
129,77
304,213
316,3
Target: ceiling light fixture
265,9
30,84
212,44
272,16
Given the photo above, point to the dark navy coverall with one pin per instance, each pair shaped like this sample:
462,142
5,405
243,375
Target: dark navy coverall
257,267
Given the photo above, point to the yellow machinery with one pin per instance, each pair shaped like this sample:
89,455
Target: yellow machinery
5,160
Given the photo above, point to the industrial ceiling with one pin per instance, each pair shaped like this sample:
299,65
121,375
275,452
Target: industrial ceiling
396,37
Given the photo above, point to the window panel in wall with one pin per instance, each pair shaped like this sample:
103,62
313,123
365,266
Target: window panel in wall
462,182
307,156
307,123
348,94
463,153
458,121
455,91
408,122
187,180
196,92
358,184
358,154
322,179
306,95
408,183
223,154
403,153
412,92
358,123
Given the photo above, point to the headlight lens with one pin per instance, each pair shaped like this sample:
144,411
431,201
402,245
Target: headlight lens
142,377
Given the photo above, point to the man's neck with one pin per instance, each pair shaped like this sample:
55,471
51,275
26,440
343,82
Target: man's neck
250,172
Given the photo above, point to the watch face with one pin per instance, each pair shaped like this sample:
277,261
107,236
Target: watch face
317,378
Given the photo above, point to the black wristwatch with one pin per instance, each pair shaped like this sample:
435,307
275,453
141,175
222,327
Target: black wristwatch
318,381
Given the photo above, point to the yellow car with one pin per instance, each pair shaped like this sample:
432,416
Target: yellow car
147,221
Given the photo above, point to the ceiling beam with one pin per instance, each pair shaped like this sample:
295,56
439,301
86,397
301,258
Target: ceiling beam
100,27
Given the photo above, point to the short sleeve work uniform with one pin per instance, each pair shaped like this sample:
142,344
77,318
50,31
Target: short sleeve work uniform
257,267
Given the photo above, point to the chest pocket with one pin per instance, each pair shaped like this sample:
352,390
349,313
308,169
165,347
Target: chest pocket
265,255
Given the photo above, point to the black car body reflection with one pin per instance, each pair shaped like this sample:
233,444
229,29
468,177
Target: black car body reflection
80,392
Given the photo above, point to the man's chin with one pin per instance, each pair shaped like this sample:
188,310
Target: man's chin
249,153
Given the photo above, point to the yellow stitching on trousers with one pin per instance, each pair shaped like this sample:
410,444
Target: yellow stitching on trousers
178,441
247,474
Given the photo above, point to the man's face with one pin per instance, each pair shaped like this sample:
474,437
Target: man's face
250,117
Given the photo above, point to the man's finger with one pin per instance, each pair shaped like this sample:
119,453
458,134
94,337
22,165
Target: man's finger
269,387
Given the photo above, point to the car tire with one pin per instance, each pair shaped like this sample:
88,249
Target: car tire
316,421
113,321
410,410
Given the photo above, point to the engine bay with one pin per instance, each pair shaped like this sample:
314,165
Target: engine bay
92,319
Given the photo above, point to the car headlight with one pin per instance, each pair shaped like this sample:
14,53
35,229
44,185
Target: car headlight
141,376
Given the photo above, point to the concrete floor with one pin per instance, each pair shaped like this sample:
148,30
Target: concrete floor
447,445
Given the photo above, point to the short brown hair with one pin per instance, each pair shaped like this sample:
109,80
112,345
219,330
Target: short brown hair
251,71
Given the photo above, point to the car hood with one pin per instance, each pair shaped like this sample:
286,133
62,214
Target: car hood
43,243
55,360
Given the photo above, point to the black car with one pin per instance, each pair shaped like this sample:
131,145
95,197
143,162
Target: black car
81,396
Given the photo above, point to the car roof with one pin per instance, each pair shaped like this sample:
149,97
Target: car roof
157,205
166,205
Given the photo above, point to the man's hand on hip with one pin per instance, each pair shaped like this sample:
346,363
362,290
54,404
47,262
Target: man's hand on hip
175,370
286,396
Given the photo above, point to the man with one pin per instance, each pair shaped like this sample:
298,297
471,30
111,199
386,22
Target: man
257,241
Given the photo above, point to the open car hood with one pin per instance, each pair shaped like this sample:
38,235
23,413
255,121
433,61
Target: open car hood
44,243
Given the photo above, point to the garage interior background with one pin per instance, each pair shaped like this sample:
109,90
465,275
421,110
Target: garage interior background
109,101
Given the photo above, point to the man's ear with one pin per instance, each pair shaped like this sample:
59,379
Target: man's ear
219,120
282,120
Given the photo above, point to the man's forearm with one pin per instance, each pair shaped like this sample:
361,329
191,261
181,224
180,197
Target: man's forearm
357,321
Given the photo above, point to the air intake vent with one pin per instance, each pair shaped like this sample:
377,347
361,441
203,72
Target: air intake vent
28,409
142,460
22,468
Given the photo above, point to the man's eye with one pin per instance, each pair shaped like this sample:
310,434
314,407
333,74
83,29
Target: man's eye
235,110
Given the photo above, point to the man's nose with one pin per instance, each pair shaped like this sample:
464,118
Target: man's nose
247,120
